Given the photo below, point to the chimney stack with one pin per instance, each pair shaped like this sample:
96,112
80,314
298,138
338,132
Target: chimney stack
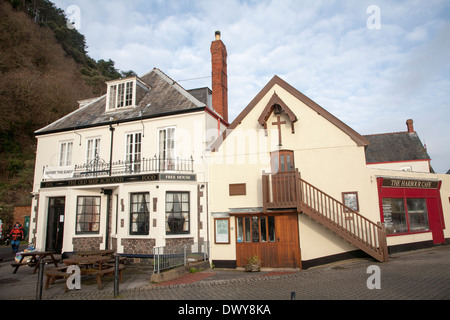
219,77
410,126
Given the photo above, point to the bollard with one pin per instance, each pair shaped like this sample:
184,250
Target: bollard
116,276
40,279
293,295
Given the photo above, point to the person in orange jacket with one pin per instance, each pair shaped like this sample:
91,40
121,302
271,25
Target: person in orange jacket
16,235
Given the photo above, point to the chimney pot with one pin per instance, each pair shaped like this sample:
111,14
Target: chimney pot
410,126
219,77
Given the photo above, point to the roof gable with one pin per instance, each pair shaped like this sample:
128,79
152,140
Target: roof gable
274,103
360,140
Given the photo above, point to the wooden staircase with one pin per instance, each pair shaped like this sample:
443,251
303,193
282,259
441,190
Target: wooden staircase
289,191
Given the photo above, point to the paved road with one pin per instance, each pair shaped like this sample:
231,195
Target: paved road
424,274
416,275
6,252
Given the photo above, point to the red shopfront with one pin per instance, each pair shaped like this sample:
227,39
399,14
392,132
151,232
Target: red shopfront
411,206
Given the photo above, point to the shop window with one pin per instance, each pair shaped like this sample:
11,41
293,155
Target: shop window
177,212
255,229
417,215
139,214
88,215
405,215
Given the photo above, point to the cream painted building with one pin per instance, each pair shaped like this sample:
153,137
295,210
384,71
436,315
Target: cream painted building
290,183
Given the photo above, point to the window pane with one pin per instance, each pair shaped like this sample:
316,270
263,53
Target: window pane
288,163
88,215
139,214
271,224
112,96
247,229
282,165
129,94
275,163
255,229
240,229
177,212
417,214
263,231
121,95
394,215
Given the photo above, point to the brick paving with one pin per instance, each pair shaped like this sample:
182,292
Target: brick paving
189,278
416,275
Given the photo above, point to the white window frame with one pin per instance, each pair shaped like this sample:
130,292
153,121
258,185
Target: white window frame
163,164
121,95
65,153
92,152
133,167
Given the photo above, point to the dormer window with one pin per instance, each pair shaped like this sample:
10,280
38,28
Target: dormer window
125,93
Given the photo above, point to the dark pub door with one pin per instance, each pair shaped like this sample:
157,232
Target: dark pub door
55,224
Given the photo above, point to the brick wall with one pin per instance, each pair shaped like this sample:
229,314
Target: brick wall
20,213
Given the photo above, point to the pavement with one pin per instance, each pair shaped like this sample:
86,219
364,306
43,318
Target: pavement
414,275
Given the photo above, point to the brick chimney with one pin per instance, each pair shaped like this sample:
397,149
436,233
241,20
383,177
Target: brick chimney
219,77
410,126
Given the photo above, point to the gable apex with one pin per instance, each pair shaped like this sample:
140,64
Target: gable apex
276,80
276,102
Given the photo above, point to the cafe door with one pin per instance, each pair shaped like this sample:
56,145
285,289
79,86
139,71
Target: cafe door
434,217
55,224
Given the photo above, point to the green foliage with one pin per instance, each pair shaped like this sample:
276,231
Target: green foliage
44,71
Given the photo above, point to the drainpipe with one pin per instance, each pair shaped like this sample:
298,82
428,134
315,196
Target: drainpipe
111,149
108,193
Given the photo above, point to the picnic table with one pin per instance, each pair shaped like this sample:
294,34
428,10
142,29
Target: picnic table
36,258
89,264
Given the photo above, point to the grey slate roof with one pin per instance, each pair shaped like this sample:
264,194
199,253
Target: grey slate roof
164,97
398,146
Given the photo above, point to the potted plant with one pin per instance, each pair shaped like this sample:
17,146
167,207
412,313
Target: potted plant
253,264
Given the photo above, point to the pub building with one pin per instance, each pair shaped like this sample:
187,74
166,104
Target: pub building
127,171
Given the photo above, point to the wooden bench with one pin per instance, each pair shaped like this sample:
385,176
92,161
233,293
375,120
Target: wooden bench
108,270
113,260
17,265
55,274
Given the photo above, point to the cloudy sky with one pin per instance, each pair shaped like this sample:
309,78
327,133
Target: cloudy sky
373,64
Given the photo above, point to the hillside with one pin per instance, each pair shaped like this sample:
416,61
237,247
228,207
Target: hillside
44,71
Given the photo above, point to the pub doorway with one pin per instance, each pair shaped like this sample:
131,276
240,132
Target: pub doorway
55,224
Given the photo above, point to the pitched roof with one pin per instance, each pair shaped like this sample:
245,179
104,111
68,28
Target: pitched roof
393,147
165,97
360,140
